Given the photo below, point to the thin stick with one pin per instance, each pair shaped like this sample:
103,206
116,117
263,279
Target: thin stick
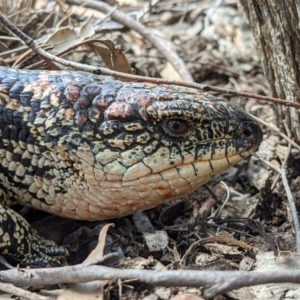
277,130
215,282
11,289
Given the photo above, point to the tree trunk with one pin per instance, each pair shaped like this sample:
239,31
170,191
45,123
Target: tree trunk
275,26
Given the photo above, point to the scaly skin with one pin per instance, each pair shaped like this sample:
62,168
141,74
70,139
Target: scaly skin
93,148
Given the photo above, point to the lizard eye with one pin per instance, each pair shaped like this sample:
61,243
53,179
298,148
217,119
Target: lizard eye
176,127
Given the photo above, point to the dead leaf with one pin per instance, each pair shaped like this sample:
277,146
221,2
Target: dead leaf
114,58
168,72
63,39
87,29
99,250
105,55
94,289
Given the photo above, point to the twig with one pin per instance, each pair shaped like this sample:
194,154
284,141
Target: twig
65,10
107,16
216,239
11,289
206,88
215,282
158,43
148,7
270,165
218,226
255,226
277,130
210,13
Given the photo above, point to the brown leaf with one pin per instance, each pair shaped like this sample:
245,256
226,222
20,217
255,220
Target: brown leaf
105,55
87,29
94,289
114,58
63,39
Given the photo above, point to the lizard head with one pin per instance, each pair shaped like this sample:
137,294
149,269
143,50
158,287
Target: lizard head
164,144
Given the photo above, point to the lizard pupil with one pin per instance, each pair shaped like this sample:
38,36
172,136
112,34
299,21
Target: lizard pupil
177,127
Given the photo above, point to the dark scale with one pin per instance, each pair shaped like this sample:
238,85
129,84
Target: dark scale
7,116
6,135
15,90
25,98
88,131
32,115
23,135
213,149
17,119
14,133
35,105
2,124
25,161
110,90
59,88
40,172
32,77
65,103
45,105
92,90
8,82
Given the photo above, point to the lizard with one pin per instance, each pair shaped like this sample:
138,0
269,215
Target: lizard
90,147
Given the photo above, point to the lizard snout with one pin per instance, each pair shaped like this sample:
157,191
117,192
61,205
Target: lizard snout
248,136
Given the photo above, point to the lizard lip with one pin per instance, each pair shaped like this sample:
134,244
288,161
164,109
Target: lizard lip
248,136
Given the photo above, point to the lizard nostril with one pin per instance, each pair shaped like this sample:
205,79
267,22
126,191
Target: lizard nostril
247,132
248,136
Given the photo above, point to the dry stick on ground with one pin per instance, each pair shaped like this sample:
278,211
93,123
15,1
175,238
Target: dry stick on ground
157,42
215,282
11,289
96,70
